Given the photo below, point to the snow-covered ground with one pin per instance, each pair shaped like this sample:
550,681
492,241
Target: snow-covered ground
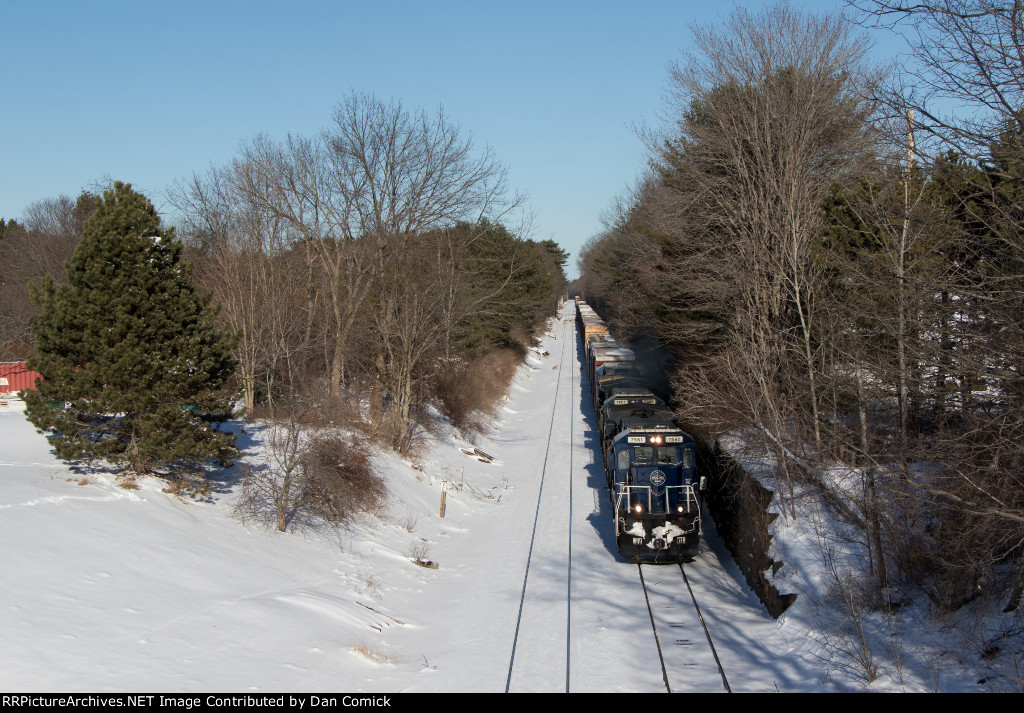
838,620
106,589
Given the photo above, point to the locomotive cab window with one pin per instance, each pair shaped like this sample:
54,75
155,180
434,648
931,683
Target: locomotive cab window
668,455
661,455
623,460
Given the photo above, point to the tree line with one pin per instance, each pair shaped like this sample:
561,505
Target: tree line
352,272
832,253
373,255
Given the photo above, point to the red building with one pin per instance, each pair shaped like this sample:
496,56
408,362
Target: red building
15,376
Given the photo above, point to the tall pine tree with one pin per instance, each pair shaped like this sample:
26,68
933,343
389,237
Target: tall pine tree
134,366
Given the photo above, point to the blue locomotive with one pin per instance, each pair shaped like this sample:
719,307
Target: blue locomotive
652,477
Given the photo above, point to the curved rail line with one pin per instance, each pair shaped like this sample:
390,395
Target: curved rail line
536,516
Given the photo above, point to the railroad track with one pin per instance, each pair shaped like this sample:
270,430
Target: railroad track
686,651
541,626
540,659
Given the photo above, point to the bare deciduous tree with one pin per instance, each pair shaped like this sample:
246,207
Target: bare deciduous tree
242,255
769,110
308,478
36,248
393,216
378,176
406,172
294,182
271,491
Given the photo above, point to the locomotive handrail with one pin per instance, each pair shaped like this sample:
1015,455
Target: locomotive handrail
687,496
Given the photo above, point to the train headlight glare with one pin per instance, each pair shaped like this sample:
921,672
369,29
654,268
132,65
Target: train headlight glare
639,508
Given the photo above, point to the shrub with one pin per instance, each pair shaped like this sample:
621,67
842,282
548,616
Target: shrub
338,480
308,479
469,391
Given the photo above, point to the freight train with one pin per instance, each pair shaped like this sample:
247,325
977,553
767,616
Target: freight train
650,463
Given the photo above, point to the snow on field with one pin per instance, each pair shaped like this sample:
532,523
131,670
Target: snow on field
106,589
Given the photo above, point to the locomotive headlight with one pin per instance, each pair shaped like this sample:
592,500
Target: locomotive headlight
679,509
639,508
656,440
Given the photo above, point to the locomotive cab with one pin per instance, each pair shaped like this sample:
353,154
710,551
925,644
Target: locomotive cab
614,377
625,405
652,477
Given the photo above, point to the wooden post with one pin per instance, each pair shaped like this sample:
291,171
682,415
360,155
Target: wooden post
444,494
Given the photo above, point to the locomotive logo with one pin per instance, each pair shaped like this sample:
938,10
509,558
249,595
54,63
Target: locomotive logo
657,478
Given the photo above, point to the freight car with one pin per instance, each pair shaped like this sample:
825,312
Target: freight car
650,463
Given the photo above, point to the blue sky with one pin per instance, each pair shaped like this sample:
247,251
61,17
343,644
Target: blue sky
149,93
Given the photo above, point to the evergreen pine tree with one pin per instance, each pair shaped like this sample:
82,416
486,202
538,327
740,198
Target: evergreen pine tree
134,366
521,279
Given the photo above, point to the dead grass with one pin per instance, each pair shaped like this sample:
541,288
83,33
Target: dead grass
419,554
188,485
374,653
408,523
127,482
470,391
